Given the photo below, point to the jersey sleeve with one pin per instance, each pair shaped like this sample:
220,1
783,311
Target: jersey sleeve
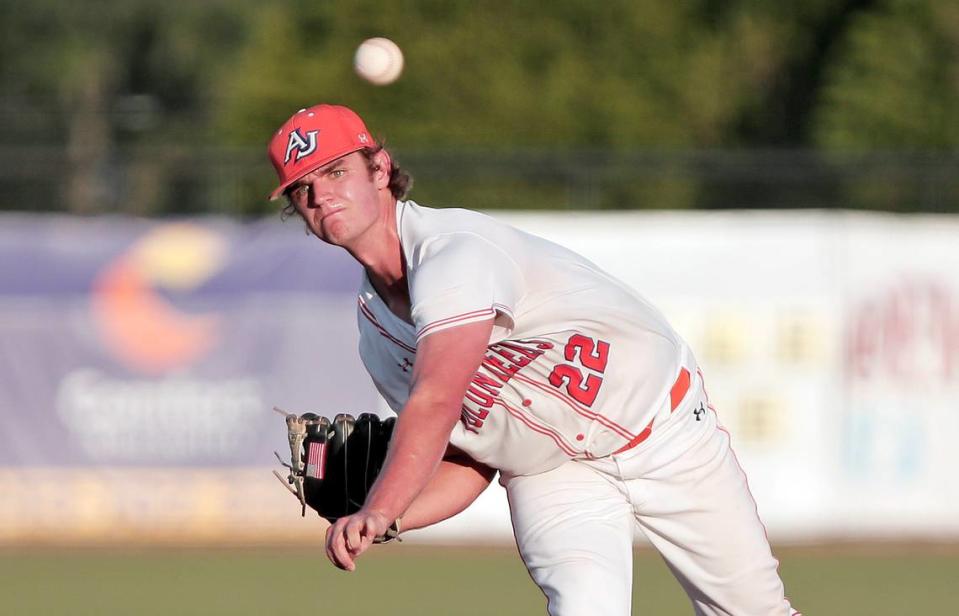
462,278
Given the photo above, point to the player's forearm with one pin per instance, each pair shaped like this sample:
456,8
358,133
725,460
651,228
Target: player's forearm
416,449
445,363
454,486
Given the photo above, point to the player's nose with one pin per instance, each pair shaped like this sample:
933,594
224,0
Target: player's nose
320,197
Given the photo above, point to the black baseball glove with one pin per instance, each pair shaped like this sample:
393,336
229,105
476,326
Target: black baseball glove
333,464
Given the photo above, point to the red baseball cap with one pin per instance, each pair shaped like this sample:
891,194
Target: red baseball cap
313,137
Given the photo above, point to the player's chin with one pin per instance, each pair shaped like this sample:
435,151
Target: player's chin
334,232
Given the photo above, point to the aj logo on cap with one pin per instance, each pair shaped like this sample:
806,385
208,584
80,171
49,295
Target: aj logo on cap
298,143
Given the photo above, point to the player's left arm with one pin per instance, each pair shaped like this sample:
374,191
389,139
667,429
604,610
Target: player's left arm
445,363
456,484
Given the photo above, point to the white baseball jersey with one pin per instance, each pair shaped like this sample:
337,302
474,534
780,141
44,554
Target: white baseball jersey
579,371
578,366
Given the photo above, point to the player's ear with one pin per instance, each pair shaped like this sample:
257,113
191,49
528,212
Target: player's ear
382,165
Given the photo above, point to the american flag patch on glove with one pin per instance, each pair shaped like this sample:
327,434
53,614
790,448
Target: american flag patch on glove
316,460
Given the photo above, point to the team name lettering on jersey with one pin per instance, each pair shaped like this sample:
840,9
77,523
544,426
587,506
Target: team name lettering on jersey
502,361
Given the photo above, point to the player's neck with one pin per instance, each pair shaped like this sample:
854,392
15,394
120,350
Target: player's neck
396,296
379,249
380,252
389,274
393,289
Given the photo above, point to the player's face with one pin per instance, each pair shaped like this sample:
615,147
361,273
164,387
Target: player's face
339,201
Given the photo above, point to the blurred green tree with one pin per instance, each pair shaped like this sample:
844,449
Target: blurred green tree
895,81
502,76
567,73
894,87
163,108
99,77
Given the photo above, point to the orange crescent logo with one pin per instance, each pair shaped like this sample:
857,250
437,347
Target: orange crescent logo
139,326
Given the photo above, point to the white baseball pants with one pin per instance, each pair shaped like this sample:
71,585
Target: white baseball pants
684,487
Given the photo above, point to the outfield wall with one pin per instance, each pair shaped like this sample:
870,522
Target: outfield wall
139,361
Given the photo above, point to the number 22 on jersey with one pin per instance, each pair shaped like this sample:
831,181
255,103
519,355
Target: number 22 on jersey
589,354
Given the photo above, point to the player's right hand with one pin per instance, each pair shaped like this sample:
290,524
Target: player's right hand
352,535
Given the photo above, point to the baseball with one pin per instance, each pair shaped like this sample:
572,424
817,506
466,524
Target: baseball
379,61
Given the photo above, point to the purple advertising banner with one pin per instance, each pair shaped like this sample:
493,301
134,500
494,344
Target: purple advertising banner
129,342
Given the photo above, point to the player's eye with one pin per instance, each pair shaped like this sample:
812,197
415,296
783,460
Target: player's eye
335,173
299,193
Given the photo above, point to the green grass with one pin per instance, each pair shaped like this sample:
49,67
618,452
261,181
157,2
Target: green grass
399,580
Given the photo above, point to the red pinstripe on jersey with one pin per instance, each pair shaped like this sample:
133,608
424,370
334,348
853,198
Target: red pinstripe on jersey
365,310
535,427
592,415
475,315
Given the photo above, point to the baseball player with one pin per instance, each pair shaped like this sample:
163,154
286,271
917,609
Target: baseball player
503,352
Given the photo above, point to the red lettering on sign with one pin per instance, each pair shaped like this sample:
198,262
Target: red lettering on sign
907,333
